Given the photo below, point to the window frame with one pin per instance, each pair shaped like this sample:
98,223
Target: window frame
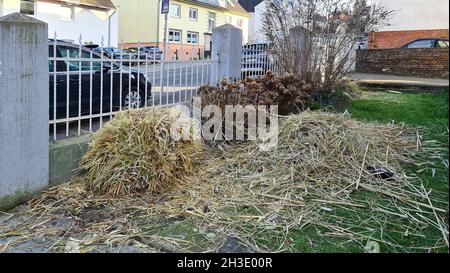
179,10
173,31
211,21
193,33
72,14
196,14
34,8
240,23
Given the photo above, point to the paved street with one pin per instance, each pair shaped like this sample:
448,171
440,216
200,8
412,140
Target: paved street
179,74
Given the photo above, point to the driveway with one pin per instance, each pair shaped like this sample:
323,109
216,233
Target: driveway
384,79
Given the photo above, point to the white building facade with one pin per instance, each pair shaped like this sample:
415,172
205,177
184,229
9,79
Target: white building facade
256,9
416,14
94,20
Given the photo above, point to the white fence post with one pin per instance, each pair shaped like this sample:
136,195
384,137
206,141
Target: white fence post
24,108
227,51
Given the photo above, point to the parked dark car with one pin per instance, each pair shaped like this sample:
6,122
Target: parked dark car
122,87
150,53
428,43
116,54
110,52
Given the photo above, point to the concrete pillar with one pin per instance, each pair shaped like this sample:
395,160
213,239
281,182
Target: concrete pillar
227,49
24,104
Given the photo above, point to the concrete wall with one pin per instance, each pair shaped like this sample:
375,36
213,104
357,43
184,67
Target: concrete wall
429,63
24,108
91,23
64,158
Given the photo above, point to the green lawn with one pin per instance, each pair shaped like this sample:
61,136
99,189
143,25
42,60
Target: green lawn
430,112
426,111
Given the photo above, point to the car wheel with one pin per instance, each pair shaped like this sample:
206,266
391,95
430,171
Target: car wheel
133,100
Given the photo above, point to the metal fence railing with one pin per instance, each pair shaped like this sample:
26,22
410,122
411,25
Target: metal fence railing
257,59
88,85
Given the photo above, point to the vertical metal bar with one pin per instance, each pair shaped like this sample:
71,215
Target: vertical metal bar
163,57
153,79
138,78
178,72
186,60
197,74
90,90
54,87
67,92
174,67
180,65
192,72
146,78
203,72
129,84
111,86
79,86
208,64
121,75
167,79
254,61
101,84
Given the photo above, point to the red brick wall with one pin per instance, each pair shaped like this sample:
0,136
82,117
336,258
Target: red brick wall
422,62
396,39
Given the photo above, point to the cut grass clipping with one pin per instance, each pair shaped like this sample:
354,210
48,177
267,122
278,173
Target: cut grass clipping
342,177
135,153
317,189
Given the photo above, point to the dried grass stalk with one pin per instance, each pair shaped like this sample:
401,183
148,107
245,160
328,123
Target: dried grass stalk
134,153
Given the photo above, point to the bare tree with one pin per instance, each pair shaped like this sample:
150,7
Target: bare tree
331,31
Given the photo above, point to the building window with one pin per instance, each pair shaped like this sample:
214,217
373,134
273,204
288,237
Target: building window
239,22
193,14
211,21
175,36
175,10
28,7
67,13
192,38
